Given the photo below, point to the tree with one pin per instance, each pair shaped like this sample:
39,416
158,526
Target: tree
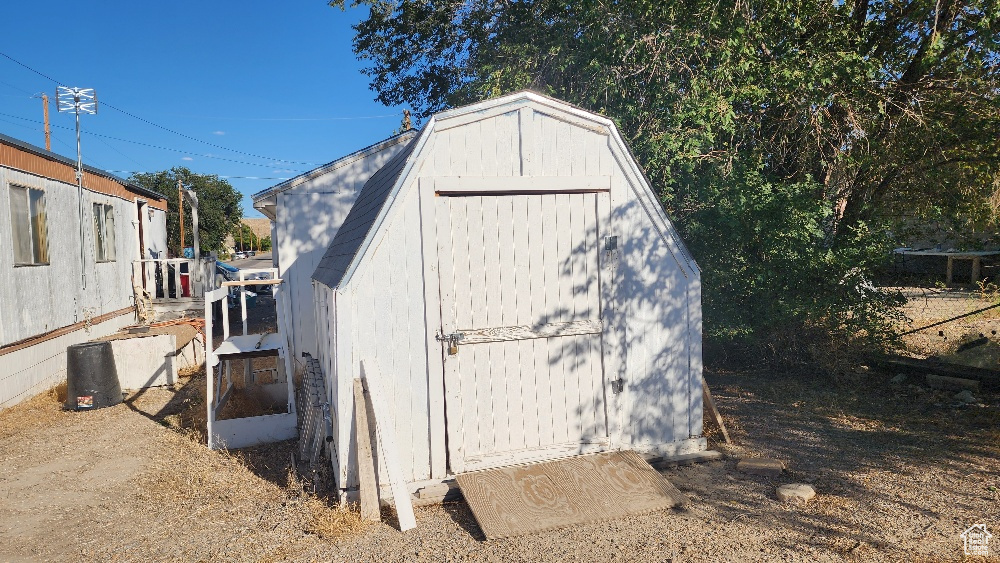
265,243
245,239
219,210
788,139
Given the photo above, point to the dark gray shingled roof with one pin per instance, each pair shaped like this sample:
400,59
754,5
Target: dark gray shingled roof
360,218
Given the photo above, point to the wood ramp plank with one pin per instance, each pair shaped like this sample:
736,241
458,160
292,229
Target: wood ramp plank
366,462
522,499
371,375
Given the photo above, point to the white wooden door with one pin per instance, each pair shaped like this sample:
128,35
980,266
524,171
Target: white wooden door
520,287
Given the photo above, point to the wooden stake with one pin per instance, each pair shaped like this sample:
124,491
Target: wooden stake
366,464
710,403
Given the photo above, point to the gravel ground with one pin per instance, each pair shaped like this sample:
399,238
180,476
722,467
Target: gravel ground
899,474
900,471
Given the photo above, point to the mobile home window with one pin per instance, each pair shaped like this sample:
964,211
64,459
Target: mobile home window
104,232
29,227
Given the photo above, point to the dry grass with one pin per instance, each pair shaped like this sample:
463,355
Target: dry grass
253,489
39,411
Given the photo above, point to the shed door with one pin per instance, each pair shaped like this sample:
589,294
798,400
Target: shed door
520,285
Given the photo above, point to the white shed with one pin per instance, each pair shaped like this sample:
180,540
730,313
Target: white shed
522,292
305,213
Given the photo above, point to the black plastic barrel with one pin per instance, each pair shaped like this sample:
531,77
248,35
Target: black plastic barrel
91,377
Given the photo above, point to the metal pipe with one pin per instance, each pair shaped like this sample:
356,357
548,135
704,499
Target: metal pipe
79,189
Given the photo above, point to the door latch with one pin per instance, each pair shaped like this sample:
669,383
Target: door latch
452,340
617,386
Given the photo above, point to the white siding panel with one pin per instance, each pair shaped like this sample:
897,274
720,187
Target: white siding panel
388,322
308,217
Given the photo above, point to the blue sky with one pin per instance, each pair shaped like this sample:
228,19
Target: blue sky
276,80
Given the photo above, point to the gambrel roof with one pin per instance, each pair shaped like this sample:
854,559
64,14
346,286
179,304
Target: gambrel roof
374,204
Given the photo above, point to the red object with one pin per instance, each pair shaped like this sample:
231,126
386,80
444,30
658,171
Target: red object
186,285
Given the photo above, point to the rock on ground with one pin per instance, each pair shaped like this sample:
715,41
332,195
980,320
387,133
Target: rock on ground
796,492
761,466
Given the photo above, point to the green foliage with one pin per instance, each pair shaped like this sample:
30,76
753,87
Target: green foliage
245,239
219,210
787,139
265,244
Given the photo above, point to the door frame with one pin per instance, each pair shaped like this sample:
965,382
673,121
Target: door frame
432,188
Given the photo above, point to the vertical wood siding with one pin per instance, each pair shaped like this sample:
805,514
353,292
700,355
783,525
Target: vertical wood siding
651,308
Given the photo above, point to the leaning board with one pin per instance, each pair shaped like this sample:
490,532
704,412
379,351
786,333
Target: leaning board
511,501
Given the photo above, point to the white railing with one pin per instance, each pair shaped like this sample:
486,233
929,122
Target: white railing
175,278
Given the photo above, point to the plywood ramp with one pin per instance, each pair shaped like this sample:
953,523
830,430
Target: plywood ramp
517,500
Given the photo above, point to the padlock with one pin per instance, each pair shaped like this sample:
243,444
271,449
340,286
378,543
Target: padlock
453,347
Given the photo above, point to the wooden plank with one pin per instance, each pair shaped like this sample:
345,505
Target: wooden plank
235,283
343,376
988,377
474,116
556,494
613,363
508,294
488,134
484,185
387,444
533,307
522,332
526,141
366,463
433,300
449,243
714,411
480,375
415,336
951,260
498,402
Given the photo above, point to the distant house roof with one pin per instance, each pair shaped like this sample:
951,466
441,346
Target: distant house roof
51,156
360,219
342,161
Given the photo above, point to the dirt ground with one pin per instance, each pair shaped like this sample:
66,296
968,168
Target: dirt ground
900,471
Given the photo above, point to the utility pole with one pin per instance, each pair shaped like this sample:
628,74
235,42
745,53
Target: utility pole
180,212
77,100
48,132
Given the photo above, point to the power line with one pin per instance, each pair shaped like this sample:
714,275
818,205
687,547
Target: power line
146,121
9,85
216,175
397,114
272,165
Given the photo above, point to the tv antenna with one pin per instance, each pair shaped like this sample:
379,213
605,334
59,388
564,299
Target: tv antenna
78,100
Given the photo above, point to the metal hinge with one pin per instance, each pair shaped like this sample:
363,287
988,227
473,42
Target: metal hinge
617,386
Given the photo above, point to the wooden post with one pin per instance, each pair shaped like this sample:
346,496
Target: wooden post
180,211
366,463
950,267
713,410
45,113
977,263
